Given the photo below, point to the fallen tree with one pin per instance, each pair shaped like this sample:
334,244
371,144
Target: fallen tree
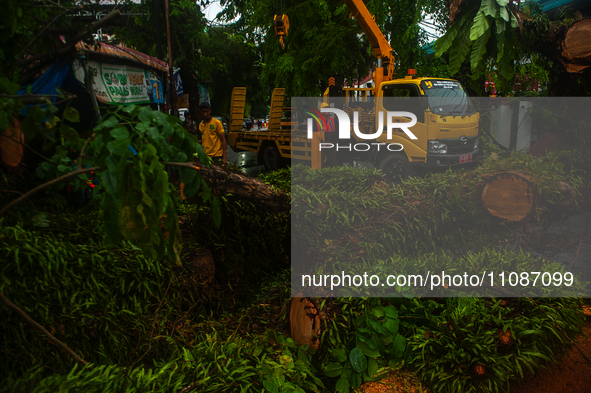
245,189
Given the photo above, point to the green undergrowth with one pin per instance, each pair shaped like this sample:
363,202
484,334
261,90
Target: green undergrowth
154,326
351,215
444,341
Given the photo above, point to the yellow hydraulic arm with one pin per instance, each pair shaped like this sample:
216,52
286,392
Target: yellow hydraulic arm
380,46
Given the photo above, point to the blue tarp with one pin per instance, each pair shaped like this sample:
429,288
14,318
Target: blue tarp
48,83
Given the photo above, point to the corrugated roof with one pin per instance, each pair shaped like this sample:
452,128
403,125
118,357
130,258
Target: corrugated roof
118,52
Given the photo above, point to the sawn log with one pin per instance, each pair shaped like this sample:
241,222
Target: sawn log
512,196
576,47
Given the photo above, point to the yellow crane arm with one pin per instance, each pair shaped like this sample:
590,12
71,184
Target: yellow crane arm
379,44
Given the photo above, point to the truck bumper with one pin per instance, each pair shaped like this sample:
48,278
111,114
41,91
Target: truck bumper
435,161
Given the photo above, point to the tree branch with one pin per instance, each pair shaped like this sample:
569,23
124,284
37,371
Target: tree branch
82,150
63,346
73,41
43,30
43,186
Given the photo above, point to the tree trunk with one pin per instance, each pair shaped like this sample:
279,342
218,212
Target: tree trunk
11,145
245,189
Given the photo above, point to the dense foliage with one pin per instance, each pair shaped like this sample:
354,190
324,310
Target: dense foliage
144,323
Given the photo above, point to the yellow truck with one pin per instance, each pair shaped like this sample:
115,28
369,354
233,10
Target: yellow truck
274,146
446,130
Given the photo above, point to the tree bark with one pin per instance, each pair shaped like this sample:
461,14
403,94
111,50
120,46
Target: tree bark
243,188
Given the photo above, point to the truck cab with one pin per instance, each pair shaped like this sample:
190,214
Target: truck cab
446,130
447,123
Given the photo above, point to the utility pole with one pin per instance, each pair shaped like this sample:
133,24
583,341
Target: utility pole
157,15
172,95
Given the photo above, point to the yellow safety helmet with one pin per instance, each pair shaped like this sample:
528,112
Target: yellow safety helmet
323,105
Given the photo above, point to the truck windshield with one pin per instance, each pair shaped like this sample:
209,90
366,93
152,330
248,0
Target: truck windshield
447,97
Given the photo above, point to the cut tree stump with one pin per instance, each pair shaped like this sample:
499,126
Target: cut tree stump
304,321
11,145
510,196
576,47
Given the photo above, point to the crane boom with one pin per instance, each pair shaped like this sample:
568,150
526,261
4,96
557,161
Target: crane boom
379,44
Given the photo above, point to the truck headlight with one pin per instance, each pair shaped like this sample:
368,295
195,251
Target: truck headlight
436,147
476,142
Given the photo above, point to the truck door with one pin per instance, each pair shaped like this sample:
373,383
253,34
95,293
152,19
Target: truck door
406,97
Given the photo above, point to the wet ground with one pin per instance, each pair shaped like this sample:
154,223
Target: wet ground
247,162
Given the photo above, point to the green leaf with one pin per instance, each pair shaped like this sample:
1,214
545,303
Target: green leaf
500,26
200,154
505,56
478,51
146,114
192,187
372,367
367,349
392,325
391,312
503,3
333,369
129,108
71,114
445,42
378,327
489,7
399,346
271,385
343,386
119,146
503,13
355,379
514,22
187,175
358,360
480,26
110,182
120,133
378,311
340,354
460,52
107,123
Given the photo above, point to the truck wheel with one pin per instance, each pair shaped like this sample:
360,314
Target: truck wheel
396,167
271,158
